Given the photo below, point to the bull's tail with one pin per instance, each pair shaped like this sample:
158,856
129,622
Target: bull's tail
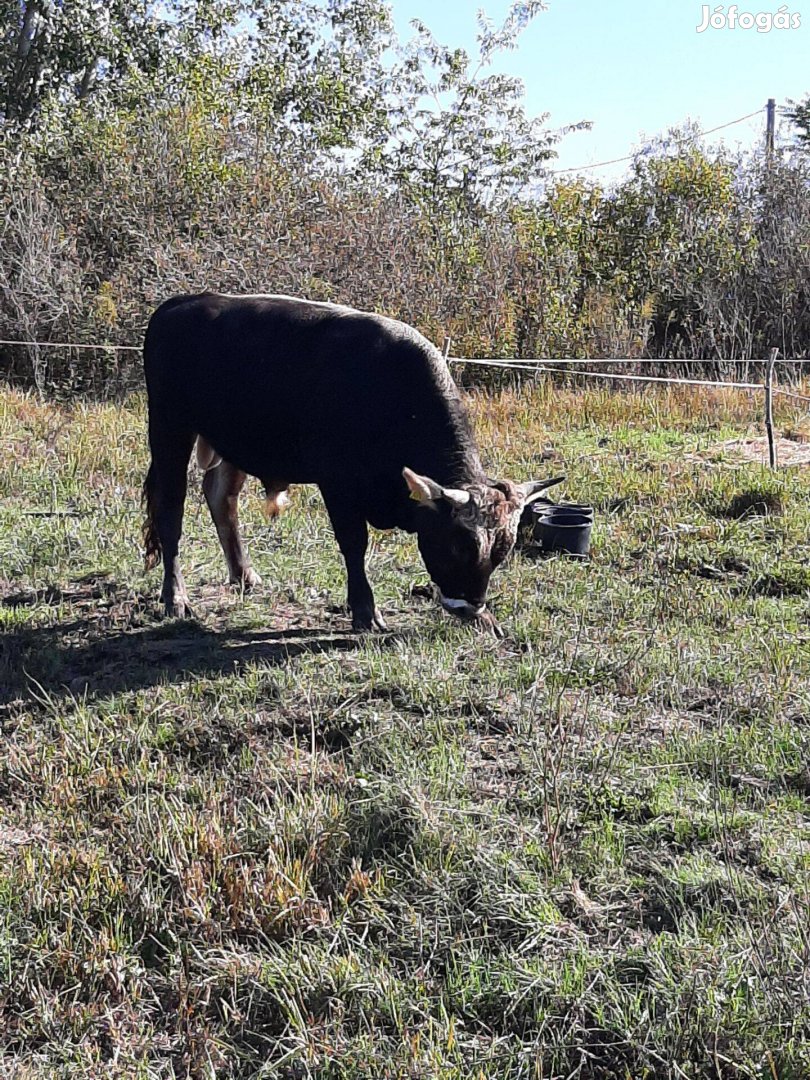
151,539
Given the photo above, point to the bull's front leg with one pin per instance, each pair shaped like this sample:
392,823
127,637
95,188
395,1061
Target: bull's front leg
351,533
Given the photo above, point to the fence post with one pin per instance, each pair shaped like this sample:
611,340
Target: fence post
446,349
769,406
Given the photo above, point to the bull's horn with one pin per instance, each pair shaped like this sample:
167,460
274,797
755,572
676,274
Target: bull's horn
456,496
423,489
533,489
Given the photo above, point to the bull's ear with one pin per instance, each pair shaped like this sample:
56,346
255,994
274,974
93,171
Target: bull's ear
423,489
533,489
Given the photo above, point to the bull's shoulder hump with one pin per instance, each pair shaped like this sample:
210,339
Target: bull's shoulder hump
218,302
202,304
271,300
212,305
400,333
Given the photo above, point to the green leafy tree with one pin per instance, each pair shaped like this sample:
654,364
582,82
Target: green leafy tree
458,132
73,48
315,72
676,238
799,115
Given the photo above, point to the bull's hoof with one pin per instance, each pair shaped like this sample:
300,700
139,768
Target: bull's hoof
486,623
365,622
178,607
247,581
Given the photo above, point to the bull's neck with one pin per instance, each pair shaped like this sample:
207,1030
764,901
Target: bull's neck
446,437
459,467
456,459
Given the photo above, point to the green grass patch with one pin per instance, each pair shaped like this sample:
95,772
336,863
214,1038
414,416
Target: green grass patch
257,845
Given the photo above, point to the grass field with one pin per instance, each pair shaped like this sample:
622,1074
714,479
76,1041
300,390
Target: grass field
257,845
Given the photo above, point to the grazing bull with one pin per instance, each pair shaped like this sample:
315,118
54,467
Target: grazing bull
297,392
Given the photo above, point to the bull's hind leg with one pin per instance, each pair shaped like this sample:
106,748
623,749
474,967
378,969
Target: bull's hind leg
165,492
221,485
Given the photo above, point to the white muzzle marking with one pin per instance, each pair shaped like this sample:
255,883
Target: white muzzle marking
449,604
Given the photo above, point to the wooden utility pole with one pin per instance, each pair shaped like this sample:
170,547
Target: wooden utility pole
770,130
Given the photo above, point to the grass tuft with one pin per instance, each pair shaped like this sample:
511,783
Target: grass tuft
760,501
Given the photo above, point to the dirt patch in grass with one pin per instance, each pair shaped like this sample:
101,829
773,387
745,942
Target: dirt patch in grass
112,638
788,451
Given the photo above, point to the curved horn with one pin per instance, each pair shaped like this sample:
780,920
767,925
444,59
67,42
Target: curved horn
423,489
456,496
533,489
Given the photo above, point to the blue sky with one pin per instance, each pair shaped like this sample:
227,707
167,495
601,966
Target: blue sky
636,67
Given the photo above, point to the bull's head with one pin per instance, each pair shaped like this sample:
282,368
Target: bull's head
465,533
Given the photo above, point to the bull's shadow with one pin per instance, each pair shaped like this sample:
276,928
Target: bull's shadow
75,657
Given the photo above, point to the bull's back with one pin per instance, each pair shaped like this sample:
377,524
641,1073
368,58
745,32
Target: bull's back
294,389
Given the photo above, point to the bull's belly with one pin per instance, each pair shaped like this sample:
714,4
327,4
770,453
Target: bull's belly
381,497
279,462
325,455
292,443
276,471
257,449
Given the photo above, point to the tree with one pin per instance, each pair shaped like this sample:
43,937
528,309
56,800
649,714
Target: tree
799,116
460,134
315,72
72,48
310,70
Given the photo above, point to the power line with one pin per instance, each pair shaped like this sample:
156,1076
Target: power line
613,375
533,361
630,157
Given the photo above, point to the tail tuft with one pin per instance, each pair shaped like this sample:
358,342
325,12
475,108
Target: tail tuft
151,539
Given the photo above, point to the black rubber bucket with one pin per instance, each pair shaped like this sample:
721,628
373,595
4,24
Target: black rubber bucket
528,519
571,508
564,528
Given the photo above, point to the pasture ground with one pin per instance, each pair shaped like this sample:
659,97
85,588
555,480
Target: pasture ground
256,845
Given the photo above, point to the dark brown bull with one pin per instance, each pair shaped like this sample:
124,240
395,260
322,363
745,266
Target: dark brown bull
296,392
